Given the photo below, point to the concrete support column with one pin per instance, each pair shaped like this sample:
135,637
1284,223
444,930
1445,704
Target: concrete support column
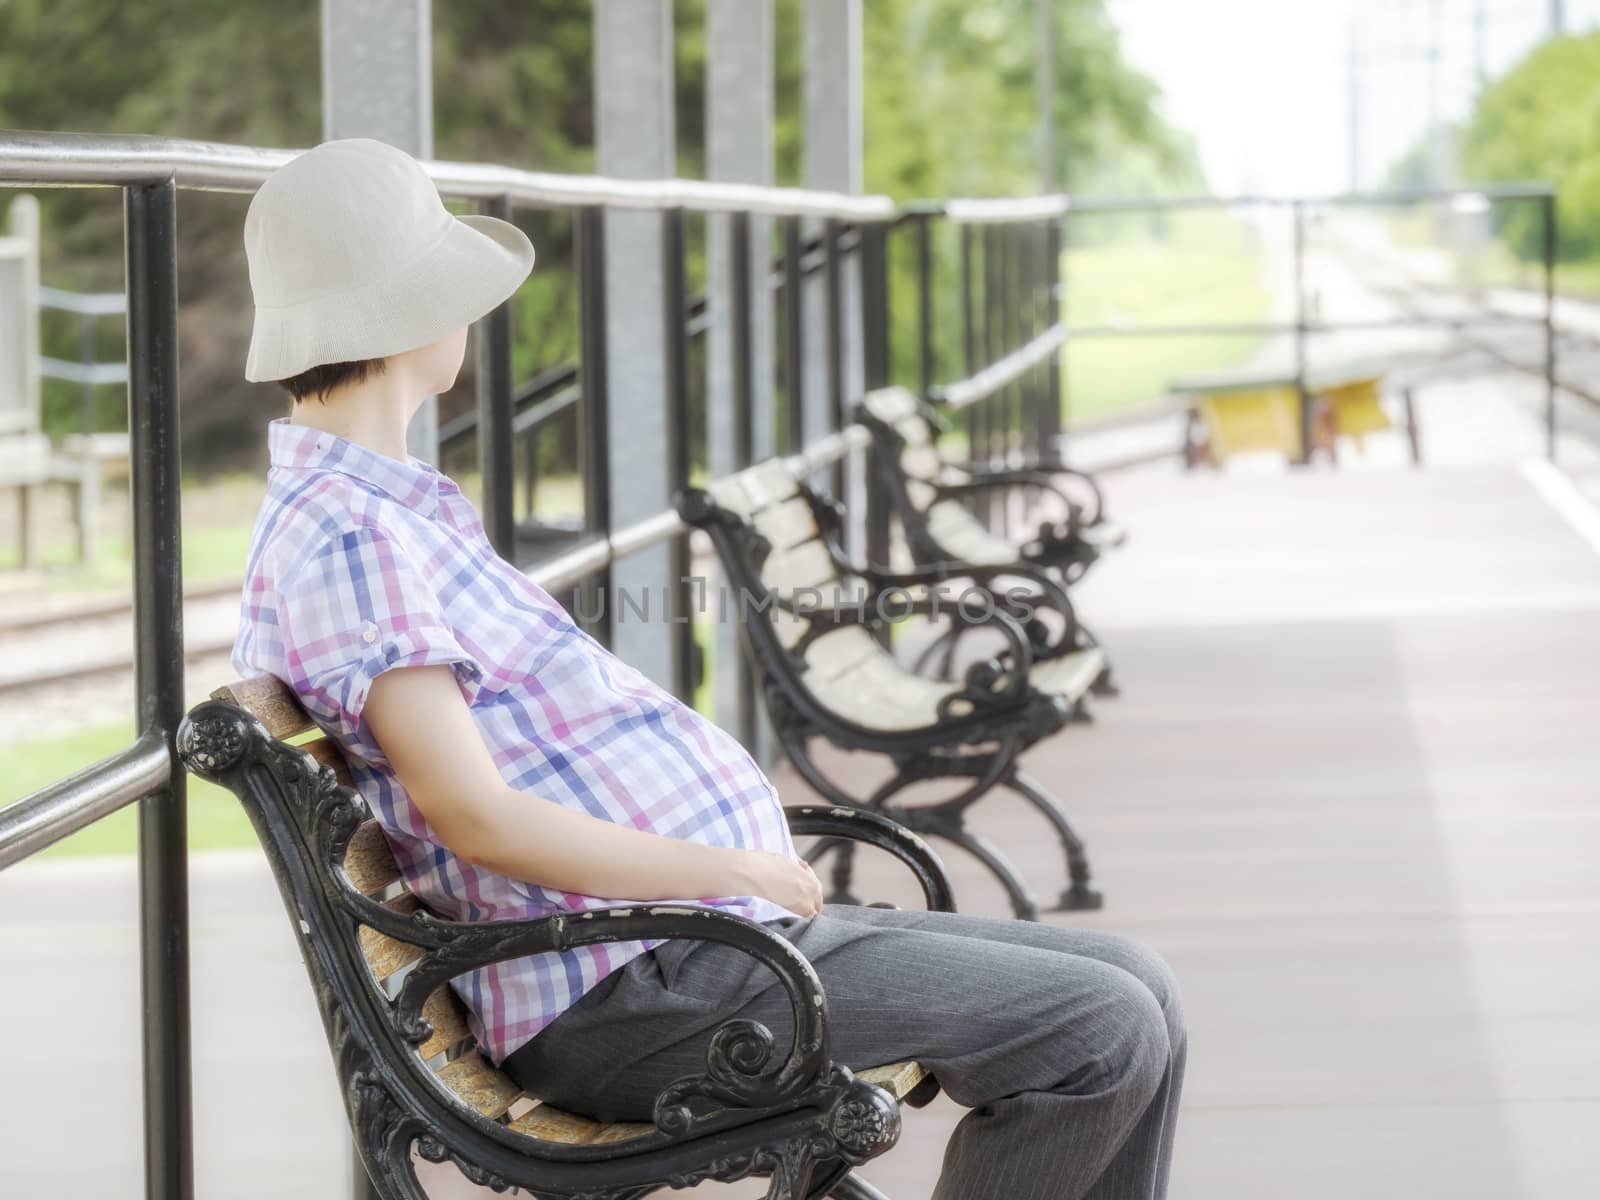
377,82
833,161
633,70
739,124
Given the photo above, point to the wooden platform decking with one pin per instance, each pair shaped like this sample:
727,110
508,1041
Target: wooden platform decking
1351,791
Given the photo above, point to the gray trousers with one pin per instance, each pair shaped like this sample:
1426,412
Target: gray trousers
1067,1045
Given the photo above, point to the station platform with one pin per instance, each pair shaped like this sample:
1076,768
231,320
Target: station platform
1349,791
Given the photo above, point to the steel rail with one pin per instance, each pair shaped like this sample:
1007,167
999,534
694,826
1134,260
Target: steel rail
42,819
568,569
1002,371
43,158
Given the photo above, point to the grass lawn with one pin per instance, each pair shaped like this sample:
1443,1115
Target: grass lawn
215,818
1203,267
217,518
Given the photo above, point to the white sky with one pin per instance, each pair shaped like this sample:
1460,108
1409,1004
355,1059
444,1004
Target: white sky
1263,85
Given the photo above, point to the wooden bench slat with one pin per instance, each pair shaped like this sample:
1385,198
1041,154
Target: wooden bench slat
384,954
1071,675
878,693
914,430
890,403
368,861
967,538
788,524
922,462
326,751
267,699
836,653
730,494
769,482
806,565
896,1078
443,1011
479,1085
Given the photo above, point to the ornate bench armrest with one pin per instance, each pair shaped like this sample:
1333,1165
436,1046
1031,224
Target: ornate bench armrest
875,829
738,1075
1049,594
1043,473
980,480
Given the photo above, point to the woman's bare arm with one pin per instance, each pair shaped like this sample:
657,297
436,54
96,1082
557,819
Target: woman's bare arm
421,720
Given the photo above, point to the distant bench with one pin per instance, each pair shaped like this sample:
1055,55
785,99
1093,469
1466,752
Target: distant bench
1240,411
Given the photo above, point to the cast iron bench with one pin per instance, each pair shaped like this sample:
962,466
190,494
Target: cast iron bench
411,1073
815,626
929,494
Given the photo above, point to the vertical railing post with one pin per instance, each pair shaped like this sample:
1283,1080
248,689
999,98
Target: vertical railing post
1302,392
678,618
794,366
1010,397
150,239
833,338
593,599
1060,310
876,367
496,445
969,342
740,312
1050,420
925,304
1547,206
985,419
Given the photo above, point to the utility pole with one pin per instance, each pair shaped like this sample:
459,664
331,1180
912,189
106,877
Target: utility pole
1558,17
1438,151
1353,105
1045,85
385,91
1480,44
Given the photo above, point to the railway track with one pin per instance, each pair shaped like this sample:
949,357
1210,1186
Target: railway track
46,647
1409,291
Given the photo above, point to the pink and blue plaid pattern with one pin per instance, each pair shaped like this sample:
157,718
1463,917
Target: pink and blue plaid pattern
360,562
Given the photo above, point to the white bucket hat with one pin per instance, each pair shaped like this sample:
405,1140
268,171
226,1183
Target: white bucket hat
353,255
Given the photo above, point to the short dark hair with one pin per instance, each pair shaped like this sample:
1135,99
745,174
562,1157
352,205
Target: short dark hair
324,377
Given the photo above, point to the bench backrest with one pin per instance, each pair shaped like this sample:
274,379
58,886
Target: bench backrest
905,431
450,1053
848,672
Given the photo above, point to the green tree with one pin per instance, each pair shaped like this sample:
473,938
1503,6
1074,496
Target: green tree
949,110
1541,121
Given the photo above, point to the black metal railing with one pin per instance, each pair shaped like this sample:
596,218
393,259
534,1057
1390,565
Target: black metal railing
149,172
1010,396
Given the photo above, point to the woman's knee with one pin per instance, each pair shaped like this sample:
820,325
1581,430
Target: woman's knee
1135,1045
1153,971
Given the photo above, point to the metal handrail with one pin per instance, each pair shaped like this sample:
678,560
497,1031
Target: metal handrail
1005,211
35,822
1003,371
41,157
566,570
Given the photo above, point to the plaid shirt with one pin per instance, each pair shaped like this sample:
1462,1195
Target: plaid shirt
360,562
